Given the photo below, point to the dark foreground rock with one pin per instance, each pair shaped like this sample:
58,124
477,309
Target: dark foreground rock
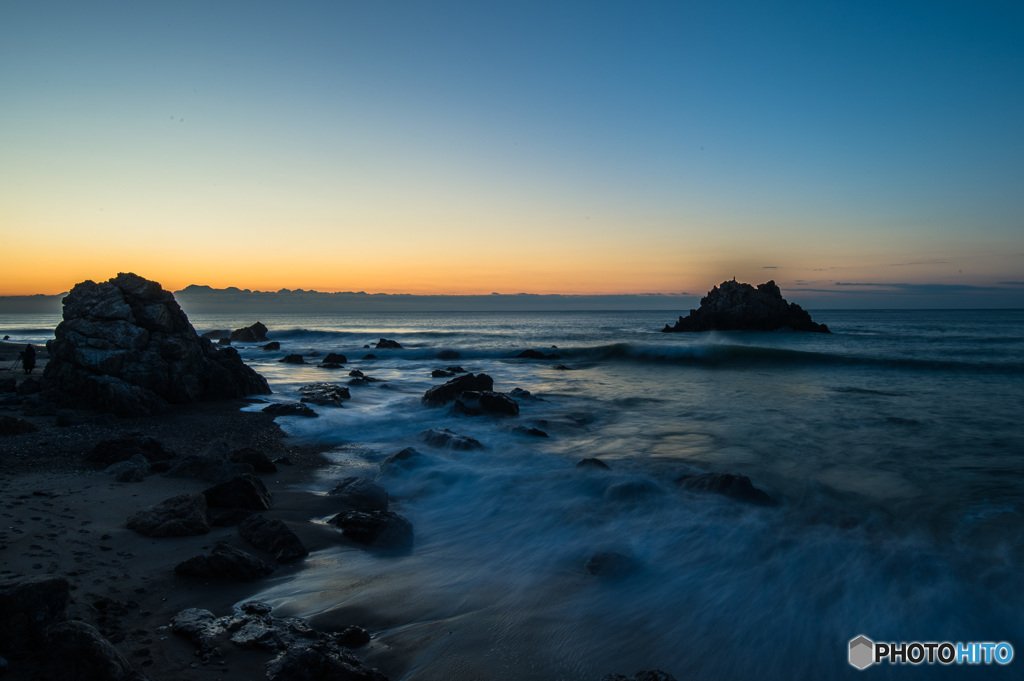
226,562
274,537
27,608
736,487
244,491
439,395
78,652
735,306
12,425
291,409
125,346
180,516
442,437
360,494
379,529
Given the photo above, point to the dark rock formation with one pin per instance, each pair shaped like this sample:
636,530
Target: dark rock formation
78,652
334,358
291,409
736,487
27,608
611,564
438,395
532,432
125,346
259,460
407,458
217,334
324,394
442,437
735,306
592,464
202,628
330,365
244,491
257,333
476,402
385,344
292,359
441,373
319,662
272,345
380,529
12,425
179,516
226,562
361,494
535,354
520,394
272,536
134,469
124,448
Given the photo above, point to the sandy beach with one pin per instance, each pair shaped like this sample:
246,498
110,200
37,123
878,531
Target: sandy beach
63,516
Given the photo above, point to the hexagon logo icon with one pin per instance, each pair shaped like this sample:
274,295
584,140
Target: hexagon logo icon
862,652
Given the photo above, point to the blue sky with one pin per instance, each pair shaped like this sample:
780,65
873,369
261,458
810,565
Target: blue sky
573,147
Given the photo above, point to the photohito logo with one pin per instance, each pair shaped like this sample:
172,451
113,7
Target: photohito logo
864,652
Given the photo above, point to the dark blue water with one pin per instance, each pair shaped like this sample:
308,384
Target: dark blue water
893,446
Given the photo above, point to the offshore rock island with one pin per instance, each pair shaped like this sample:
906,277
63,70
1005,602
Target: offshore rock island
736,306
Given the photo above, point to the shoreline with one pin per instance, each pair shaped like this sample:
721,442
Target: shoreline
63,516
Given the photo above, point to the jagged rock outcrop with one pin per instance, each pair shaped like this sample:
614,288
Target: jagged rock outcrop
125,346
735,306
250,334
438,395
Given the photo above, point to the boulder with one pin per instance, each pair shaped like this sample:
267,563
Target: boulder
243,491
438,395
334,358
442,437
78,652
12,425
124,448
474,403
260,462
385,344
202,628
272,536
736,487
291,409
532,432
380,529
133,470
324,394
27,607
535,354
407,458
736,306
592,464
292,359
272,345
225,562
441,373
180,516
320,661
251,334
360,494
126,347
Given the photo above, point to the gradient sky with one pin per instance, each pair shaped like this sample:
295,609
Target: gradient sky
871,149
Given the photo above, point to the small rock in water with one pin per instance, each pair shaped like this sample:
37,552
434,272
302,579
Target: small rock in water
334,358
361,494
593,464
534,354
324,394
442,437
292,359
407,458
736,487
273,345
291,409
272,536
441,373
380,529
385,344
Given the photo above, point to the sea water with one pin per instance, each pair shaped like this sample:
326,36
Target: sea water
893,447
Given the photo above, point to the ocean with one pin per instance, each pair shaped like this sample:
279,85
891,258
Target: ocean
893,447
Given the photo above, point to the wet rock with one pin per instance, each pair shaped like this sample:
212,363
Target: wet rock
407,458
520,394
251,456
611,564
12,425
126,347
442,437
592,464
324,394
330,365
319,662
290,409
735,306
385,344
535,354
455,369
379,529
243,491
448,392
224,341
441,373
179,516
532,432
202,628
334,358
475,403
272,345
292,359
274,537
633,492
225,562
361,494
27,607
352,637
109,452
251,334
78,652
736,487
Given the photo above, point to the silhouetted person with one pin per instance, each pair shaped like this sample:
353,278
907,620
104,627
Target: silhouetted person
28,358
